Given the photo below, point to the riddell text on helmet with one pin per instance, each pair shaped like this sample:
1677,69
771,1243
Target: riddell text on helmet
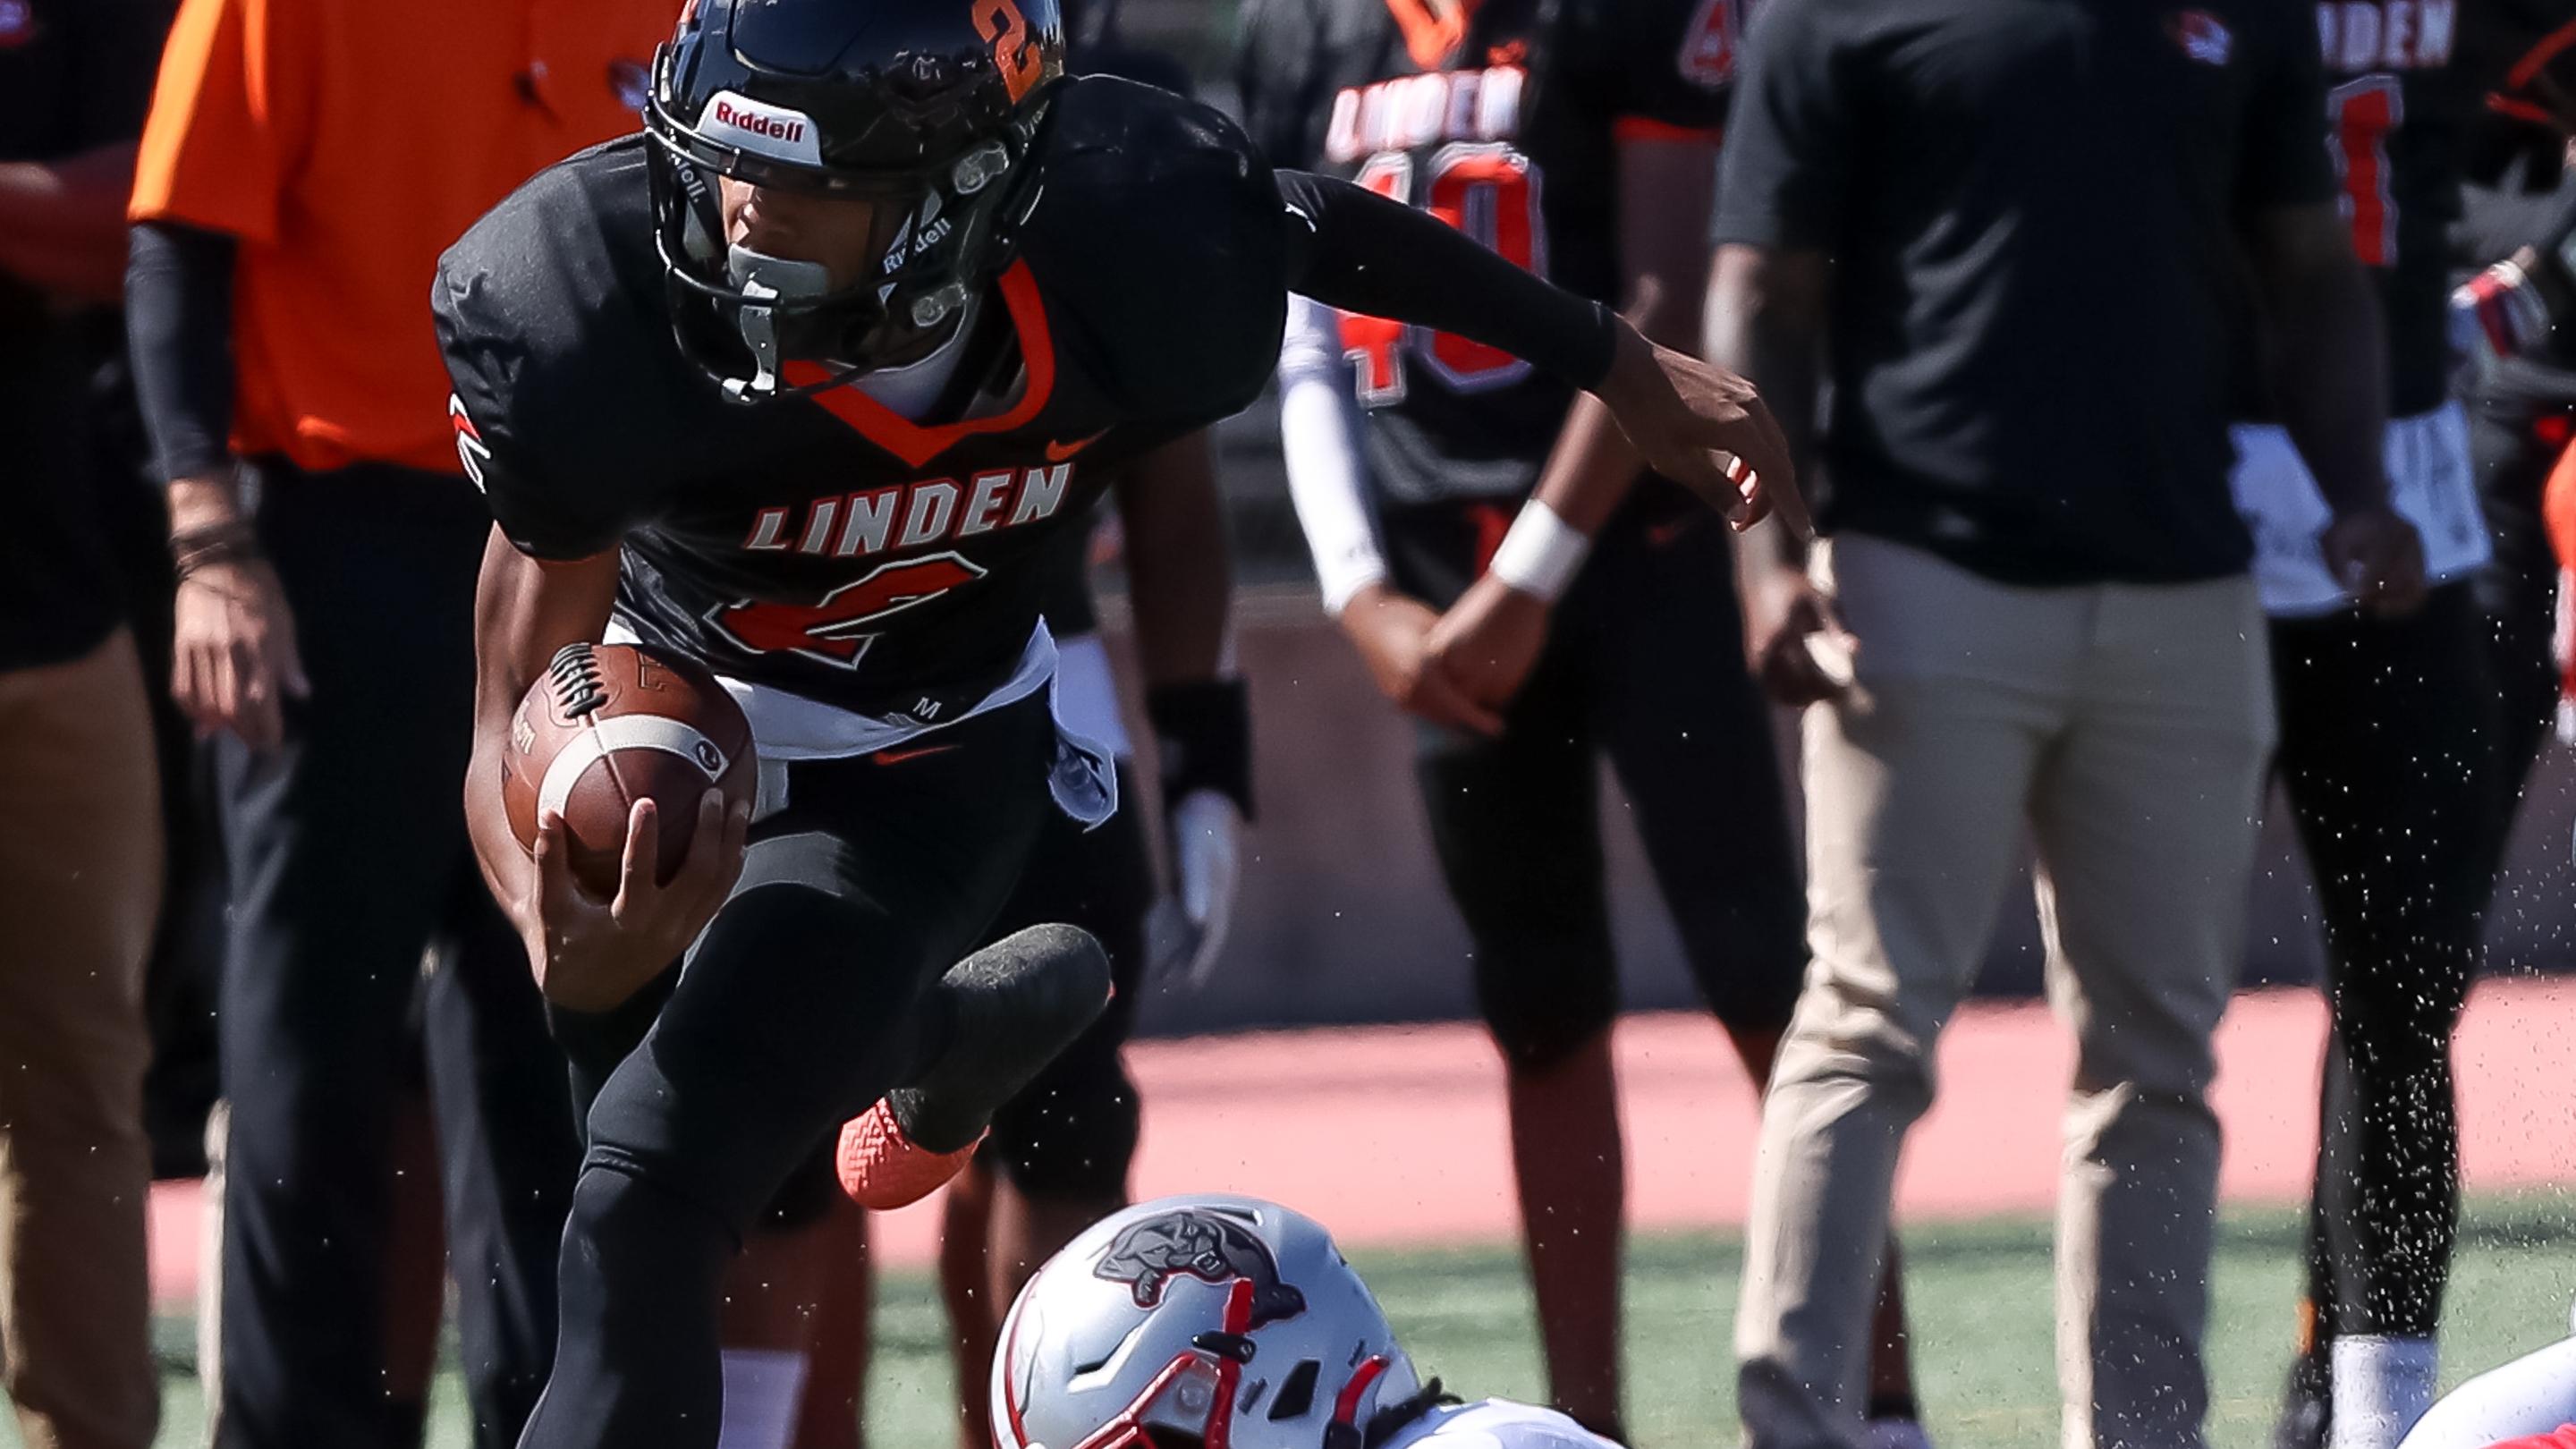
772,131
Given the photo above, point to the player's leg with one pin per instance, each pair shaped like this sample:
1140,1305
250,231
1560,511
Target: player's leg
773,1293
1060,1150
2386,729
341,845
415,1263
496,1076
837,1343
2144,815
966,1291
1067,1140
799,1006
793,1328
1662,643
1914,788
1515,824
80,879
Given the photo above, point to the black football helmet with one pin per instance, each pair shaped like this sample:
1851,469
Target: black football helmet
929,108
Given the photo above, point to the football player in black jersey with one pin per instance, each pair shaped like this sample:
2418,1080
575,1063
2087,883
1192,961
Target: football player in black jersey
799,384
1576,138
2389,727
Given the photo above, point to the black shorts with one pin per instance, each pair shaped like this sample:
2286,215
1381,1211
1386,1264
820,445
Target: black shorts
1645,663
1072,1132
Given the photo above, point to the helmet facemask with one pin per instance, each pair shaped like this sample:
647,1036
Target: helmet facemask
939,232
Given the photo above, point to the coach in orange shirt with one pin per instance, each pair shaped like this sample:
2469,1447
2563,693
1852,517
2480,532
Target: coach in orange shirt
305,163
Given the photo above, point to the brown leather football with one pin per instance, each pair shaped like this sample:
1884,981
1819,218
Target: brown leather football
608,725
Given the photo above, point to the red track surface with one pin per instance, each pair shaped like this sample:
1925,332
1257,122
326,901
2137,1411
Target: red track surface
1395,1134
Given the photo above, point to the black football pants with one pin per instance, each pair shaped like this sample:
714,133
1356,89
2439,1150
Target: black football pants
1070,1135
349,868
2386,733
1644,663
800,1005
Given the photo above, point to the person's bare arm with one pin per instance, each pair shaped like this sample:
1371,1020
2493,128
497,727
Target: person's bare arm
2328,368
62,224
587,954
1178,573
1766,318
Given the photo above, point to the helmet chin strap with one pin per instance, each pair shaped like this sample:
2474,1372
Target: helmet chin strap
762,277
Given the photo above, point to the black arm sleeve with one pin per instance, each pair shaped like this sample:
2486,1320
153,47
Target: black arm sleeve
179,326
1351,248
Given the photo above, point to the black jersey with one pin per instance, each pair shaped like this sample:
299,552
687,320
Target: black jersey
2397,106
825,545
1507,129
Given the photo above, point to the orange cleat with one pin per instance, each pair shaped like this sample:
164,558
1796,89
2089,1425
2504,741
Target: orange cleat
882,1169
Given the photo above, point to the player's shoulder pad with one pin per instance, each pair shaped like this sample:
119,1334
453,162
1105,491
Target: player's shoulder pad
548,319
1159,235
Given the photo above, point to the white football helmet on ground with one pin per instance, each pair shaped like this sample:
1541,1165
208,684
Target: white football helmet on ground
1201,1322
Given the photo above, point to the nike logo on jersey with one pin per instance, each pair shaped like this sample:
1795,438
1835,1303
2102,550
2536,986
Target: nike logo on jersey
1058,452
914,515
1417,110
2359,36
897,757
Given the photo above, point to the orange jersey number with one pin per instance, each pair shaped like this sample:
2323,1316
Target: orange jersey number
1001,22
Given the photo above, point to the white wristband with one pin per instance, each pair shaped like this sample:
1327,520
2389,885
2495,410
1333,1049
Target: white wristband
1541,553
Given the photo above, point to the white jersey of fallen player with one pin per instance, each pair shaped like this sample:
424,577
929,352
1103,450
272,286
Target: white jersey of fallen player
2532,1395
1225,1319
1495,1424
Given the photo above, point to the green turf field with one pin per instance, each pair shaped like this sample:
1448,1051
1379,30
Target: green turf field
1981,1296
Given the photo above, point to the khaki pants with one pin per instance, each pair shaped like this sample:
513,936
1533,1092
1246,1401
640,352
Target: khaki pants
2129,726
80,885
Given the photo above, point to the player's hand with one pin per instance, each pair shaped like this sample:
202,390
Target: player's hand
1683,413
590,954
1393,634
233,660
1186,930
1489,641
1799,646
2378,558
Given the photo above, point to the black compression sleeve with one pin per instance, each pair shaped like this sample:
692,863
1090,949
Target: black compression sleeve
1354,249
179,326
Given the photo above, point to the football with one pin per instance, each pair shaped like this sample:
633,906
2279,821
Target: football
608,725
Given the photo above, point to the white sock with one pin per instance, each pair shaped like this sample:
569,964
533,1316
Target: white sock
2383,1383
761,1389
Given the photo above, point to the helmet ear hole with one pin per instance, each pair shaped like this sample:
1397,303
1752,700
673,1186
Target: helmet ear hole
1296,1392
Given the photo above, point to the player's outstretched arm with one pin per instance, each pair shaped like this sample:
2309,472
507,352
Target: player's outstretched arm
1699,425
587,954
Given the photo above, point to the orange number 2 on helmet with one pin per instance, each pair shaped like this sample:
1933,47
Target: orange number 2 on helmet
1001,22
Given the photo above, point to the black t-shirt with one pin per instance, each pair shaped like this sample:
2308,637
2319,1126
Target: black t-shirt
2033,208
74,75
1508,133
824,545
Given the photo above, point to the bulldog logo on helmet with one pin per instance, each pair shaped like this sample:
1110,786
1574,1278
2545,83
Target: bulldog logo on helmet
1205,1246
